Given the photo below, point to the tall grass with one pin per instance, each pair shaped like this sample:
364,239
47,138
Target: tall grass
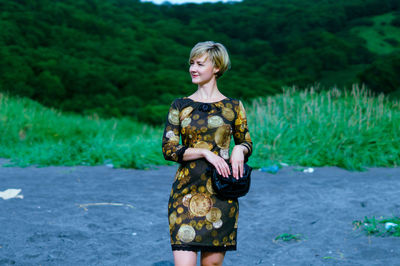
346,128
33,134
351,129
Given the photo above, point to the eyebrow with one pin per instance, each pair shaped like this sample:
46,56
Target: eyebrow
198,61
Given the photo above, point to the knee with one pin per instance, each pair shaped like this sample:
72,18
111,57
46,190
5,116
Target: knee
213,260
185,258
211,263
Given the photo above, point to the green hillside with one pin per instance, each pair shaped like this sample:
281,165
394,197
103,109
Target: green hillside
124,58
381,37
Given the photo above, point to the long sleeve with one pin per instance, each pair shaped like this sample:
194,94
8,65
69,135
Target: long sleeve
241,133
172,150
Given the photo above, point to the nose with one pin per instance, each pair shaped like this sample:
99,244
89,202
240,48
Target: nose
192,68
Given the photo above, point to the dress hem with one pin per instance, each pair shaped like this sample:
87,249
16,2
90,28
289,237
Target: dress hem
204,248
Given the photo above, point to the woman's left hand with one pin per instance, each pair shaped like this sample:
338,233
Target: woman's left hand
237,160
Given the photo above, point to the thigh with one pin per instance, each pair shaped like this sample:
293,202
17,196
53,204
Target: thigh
212,258
183,258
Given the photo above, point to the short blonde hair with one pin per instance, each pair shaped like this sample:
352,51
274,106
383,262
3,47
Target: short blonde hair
217,52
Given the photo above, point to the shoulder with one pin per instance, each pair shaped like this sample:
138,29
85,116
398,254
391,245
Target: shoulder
236,103
177,101
180,103
235,100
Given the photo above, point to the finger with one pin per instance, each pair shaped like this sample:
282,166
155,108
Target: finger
222,171
237,171
241,170
218,169
224,167
234,170
228,171
225,172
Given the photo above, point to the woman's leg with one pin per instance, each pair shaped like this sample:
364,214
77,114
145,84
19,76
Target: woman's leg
212,258
185,258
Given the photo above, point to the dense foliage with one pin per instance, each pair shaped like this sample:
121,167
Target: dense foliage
352,129
124,57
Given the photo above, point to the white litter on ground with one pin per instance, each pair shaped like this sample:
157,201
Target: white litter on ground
11,193
389,225
308,170
102,204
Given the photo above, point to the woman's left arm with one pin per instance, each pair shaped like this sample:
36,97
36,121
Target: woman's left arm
243,143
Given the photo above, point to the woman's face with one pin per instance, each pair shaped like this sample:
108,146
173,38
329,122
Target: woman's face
202,70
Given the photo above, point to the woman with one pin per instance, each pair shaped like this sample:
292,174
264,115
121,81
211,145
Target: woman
206,120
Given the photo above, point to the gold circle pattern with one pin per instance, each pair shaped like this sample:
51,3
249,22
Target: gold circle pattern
200,204
186,233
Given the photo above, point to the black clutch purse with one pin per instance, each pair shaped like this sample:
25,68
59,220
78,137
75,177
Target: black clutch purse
231,188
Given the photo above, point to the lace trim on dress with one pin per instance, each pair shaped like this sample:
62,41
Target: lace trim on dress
204,248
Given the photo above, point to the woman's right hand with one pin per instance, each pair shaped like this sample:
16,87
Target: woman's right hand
219,163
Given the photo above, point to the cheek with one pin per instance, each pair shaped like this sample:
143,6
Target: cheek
210,71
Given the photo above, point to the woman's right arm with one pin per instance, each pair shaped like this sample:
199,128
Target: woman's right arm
172,150
194,153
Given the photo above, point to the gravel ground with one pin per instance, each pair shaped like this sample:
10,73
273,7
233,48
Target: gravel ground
124,221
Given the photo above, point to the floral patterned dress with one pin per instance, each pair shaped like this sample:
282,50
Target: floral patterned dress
198,220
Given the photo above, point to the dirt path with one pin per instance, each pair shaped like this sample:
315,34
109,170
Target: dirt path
50,226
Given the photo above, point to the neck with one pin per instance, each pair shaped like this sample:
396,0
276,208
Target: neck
208,91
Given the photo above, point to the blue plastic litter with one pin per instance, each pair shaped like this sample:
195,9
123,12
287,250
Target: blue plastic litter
273,169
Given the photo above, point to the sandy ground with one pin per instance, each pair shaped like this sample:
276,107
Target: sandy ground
49,227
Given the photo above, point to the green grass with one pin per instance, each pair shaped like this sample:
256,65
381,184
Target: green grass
379,227
378,36
351,129
346,128
286,237
33,134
